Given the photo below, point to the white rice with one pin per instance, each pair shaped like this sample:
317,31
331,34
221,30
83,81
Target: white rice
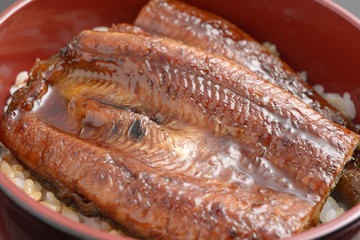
342,103
331,210
271,48
101,29
303,75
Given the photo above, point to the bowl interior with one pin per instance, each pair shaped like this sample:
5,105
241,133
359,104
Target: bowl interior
316,36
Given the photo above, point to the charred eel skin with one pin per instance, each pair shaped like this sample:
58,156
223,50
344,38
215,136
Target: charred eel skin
173,142
180,21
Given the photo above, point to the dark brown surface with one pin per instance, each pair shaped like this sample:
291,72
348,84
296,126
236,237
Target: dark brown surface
348,188
183,22
189,165
267,20
180,21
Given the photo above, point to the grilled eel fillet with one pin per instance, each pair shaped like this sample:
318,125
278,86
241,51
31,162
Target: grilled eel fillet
173,142
185,23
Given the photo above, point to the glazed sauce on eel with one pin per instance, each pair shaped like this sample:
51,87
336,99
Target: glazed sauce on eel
188,149
164,120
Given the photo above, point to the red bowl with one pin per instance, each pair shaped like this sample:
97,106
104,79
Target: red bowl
313,35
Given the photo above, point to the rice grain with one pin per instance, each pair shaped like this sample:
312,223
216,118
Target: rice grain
69,213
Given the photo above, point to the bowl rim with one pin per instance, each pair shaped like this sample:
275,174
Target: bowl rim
339,10
352,216
82,231
13,8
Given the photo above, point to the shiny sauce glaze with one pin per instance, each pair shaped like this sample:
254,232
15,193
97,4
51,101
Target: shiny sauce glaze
178,146
196,27
173,142
193,26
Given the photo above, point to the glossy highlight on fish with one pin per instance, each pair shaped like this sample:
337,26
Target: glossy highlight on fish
190,25
173,142
193,26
